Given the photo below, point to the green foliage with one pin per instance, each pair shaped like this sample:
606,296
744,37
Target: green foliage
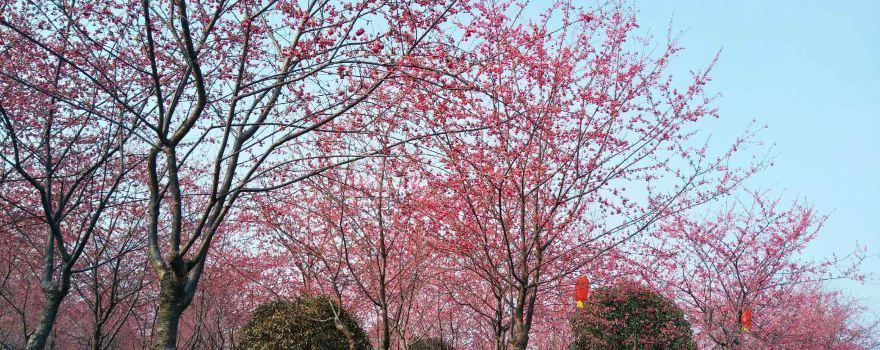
305,323
630,316
430,344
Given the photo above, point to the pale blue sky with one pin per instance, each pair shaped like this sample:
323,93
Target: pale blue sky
810,70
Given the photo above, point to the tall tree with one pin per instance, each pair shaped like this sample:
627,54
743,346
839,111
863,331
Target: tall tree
65,148
585,145
274,85
236,92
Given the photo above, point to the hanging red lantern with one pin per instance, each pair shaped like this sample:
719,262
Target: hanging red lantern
581,290
745,319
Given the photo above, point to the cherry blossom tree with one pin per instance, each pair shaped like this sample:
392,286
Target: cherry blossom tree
364,237
824,320
747,257
66,154
230,95
114,287
444,169
580,143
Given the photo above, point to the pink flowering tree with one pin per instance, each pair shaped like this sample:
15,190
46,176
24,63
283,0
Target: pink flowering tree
358,232
821,319
66,159
364,244
442,168
578,144
747,257
227,95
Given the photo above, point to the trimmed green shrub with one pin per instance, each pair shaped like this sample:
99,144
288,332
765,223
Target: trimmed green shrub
305,323
630,316
430,344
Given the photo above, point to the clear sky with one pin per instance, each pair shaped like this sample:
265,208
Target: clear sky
810,70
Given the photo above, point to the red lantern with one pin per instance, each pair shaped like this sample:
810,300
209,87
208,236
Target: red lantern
745,319
581,290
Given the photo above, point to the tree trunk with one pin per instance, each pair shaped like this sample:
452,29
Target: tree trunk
520,338
96,339
352,344
498,325
37,340
172,302
386,327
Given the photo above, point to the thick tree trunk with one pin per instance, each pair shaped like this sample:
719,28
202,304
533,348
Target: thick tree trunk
96,339
521,322
37,340
167,321
520,338
172,302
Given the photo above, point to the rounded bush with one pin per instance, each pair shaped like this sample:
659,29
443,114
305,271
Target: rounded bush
430,344
305,323
630,316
